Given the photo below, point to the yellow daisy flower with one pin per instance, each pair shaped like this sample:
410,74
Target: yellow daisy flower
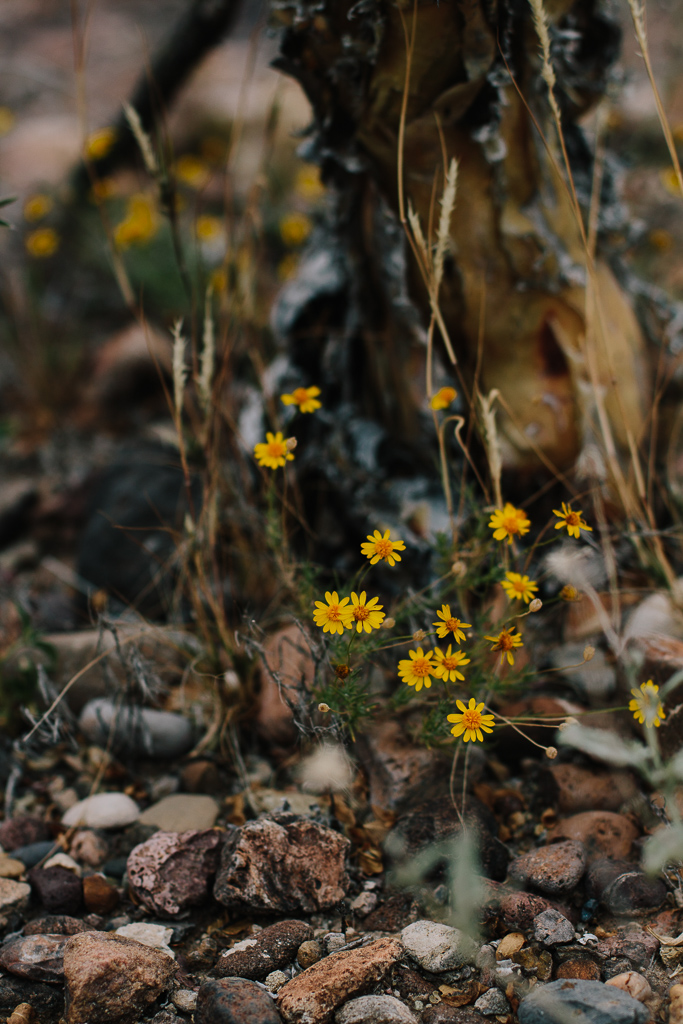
471,722
572,520
447,664
646,705
42,243
192,171
98,144
518,587
450,624
305,398
208,228
308,183
505,642
334,616
273,452
443,398
140,224
418,669
295,228
366,616
378,547
509,522
38,206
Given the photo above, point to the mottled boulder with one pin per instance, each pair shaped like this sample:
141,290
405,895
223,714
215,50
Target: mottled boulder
282,864
270,949
112,980
173,871
554,870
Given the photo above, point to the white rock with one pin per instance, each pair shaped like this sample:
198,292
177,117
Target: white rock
438,947
185,1000
364,904
142,731
375,1010
155,935
62,860
104,810
182,812
13,895
275,980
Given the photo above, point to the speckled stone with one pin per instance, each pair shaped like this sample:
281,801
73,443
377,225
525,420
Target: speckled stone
173,871
268,950
554,870
234,1001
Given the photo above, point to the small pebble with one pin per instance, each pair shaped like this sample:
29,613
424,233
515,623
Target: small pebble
157,936
185,1000
364,904
137,730
59,890
509,944
492,1003
309,953
10,867
182,812
89,848
334,941
63,860
104,810
275,980
374,1010
633,983
35,852
99,896
552,928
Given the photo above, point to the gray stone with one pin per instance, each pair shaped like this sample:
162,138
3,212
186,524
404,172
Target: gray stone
581,1002
282,865
234,1001
33,853
104,810
438,947
268,950
137,730
334,941
492,1003
173,871
375,1010
182,812
38,957
552,928
554,870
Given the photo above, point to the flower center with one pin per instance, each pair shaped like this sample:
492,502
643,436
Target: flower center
451,663
505,642
471,719
421,667
333,613
384,548
452,624
510,524
300,395
276,449
361,613
573,518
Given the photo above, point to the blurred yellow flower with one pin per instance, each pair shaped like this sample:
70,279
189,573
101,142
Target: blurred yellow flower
308,184
661,239
219,280
273,452
104,188
208,228
192,171
98,144
38,206
443,398
669,180
572,520
42,243
305,398
646,705
6,120
286,268
140,224
295,228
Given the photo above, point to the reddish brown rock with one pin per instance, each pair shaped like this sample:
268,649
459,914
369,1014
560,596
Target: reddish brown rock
574,789
23,831
173,871
264,952
99,896
55,924
284,865
111,979
38,957
397,769
58,889
313,996
518,910
234,1001
602,833
579,967
393,914
554,870
632,944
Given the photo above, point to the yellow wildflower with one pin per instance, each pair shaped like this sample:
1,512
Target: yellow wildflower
508,522
417,670
646,705
669,180
382,547
140,224
505,642
273,452
447,664
38,206
570,593
308,184
295,228
305,398
287,267
470,721
98,144
366,616
572,520
334,616
518,587
450,624
104,188
443,398
208,228
192,171
219,280
42,243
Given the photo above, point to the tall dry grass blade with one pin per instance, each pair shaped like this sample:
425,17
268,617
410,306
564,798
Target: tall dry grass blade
179,367
208,355
444,229
143,140
490,436
419,237
540,20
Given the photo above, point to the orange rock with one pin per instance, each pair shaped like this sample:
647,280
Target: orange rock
603,833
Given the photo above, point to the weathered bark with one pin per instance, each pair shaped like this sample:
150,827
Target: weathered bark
516,251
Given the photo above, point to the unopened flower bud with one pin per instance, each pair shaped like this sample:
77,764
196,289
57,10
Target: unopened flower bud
323,708
536,605
567,722
290,444
389,623
588,653
341,671
458,568
551,752
419,636
570,593
231,681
